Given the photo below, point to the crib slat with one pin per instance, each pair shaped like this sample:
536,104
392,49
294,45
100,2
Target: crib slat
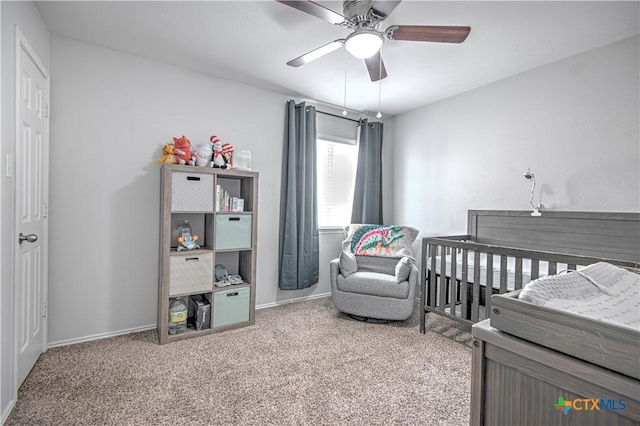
443,279
488,289
453,290
572,267
423,284
433,280
464,289
535,269
503,274
518,277
475,304
553,268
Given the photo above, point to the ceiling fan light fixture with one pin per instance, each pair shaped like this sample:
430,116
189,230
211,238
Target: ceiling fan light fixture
364,43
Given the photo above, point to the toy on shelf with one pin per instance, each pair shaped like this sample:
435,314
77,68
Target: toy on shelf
183,151
223,279
203,154
235,279
221,275
219,160
169,154
186,240
227,153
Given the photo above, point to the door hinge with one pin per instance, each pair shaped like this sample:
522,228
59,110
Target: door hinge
45,310
46,110
45,212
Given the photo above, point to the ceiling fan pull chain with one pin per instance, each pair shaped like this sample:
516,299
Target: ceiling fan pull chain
344,103
379,114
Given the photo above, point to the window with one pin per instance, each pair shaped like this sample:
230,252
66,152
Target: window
337,163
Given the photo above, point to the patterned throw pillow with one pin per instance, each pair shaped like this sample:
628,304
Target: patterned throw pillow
380,240
403,269
348,264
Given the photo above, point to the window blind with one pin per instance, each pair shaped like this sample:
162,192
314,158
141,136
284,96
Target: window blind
336,129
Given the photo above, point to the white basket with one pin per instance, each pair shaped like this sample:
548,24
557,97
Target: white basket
191,192
190,273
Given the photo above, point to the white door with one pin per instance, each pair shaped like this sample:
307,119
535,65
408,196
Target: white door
31,180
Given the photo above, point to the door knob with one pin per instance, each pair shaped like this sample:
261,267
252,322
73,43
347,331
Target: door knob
31,238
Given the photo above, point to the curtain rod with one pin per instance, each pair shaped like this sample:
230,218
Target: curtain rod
337,116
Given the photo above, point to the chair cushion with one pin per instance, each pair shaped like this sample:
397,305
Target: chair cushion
373,283
403,269
348,264
382,265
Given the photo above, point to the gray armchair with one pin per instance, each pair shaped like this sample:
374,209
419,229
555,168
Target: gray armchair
373,290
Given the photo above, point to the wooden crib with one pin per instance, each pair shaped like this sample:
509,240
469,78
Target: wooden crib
504,250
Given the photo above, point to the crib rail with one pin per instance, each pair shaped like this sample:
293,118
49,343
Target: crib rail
462,290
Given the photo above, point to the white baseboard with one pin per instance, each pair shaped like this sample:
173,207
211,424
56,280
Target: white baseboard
299,299
154,326
8,410
101,336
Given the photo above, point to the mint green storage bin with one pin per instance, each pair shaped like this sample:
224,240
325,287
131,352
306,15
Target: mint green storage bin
231,306
233,231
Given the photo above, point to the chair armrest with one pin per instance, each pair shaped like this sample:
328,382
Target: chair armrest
334,266
334,271
413,275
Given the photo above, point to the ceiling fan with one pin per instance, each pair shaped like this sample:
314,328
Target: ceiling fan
363,18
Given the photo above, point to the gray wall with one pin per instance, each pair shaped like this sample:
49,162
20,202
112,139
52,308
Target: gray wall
111,114
27,18
574,122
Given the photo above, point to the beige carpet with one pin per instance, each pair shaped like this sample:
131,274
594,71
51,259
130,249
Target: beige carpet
302,363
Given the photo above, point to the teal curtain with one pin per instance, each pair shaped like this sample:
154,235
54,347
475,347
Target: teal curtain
299,254
367,196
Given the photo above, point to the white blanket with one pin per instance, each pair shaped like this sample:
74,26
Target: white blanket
600,291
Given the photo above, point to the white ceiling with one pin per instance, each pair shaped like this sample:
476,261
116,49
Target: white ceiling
251,42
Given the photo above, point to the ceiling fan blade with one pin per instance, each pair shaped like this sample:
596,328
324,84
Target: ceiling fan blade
315,54
427,33
375,66
381,9
316,10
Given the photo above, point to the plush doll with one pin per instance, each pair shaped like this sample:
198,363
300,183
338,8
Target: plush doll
186,239
183,151
188,243
203,154
227,153
169,156
218,158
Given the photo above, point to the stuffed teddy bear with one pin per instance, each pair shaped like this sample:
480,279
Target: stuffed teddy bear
203,154
169,154
183,151
219,161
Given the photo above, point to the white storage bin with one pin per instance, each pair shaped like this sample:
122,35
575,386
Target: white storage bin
242,160
233,231
191,272
192,192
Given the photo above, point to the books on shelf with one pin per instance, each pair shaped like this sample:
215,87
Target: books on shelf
227,203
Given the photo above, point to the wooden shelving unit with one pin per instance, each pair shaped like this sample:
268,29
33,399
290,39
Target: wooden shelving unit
229,238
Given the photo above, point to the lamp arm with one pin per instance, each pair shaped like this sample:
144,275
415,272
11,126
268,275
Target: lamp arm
533,187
